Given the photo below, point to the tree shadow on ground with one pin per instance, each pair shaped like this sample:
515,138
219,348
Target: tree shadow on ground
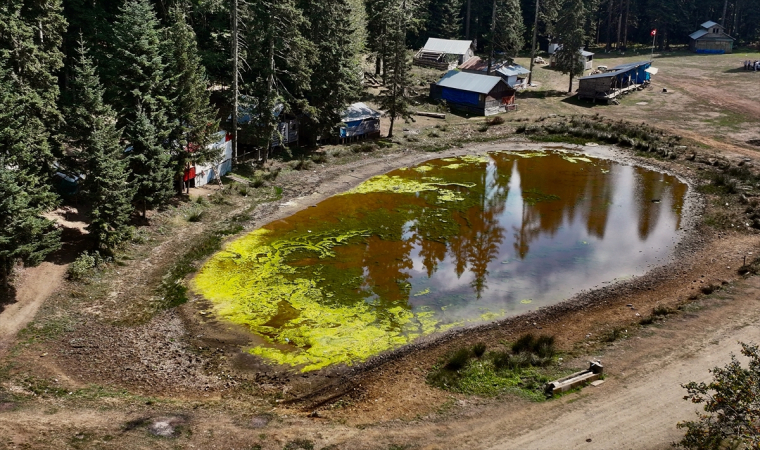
7,296
542,94
575,101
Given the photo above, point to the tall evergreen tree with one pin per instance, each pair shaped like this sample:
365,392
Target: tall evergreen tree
192,116
138,90
395,98
150,165
24,234
279,57
92,131
571,32
335,72
443,20
510,29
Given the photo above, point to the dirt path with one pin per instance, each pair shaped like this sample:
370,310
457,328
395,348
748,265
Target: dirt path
36,285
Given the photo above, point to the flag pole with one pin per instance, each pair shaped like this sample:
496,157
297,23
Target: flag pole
654,36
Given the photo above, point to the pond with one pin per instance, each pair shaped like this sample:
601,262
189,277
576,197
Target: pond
445,244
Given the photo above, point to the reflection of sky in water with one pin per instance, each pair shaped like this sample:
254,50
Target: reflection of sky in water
631,233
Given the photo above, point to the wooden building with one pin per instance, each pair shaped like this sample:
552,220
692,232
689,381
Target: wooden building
474,93
587,58
711,39
444,54
513,74
619,80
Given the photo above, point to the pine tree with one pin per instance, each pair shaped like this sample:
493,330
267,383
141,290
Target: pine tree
150,165
571,32
139,94
510,29
24,234
330,90
280,61
398,80
137,80
443,20
193,117
92,131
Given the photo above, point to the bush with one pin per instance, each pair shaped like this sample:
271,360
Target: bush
364,147
201,201
302,164
84,264
458,360
544,347
524,343
495,120
478,349
730,403
319,158
243,190
660,310
195,216
257,182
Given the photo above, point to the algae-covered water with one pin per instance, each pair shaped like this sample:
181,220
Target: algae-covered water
444,244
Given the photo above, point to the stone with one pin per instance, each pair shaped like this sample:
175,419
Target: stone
597,383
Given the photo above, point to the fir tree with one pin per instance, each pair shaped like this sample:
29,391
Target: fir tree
510,29
193,117
280,61
137,82
330,90
139,94
443,20
150,165
571,32
24,234
395,97
92,131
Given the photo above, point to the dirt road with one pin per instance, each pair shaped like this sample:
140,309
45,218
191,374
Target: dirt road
36,285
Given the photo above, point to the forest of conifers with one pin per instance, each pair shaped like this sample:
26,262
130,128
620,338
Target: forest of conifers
120,91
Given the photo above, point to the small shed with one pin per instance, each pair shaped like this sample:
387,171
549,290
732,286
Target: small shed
474,93
586,57
616,81
287,124
711,39
444,53
197,175
359,122
513,74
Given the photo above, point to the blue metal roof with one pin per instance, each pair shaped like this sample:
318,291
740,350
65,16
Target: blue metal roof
617,70
513,70
471,82
708,24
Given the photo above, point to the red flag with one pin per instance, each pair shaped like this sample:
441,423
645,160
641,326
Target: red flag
654,32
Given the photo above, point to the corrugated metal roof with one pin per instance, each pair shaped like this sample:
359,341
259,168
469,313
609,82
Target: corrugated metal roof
617,70
471,82
708,24
448,46
359,111
698,34
475,63
585,53
513,70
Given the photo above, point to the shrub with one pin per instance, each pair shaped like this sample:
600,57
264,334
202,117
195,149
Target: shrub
478,349
195,216
458,360
495,120
319,158
84,263
302,164
524,343
661,310
242,190
544,347
483,127
257,182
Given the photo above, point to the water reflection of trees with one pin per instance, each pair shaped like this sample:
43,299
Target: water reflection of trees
470,233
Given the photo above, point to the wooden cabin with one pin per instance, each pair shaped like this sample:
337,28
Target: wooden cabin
513,74
587,58
444,54
474,93
711,39
619,80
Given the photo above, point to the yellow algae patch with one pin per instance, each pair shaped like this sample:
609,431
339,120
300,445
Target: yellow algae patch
474,159
425,291
453,166
525,154
250,284
395,183
527,301
575,159
422,169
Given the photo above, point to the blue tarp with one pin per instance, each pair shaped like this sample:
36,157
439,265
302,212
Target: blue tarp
710,52
462,97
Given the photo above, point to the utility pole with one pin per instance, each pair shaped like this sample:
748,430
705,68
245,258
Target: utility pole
235,76
533,46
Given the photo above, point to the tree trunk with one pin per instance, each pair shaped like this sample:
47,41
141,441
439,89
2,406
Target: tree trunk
625,23
378,64
723,17
608,47
533,45
467,20
493,38
570,89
